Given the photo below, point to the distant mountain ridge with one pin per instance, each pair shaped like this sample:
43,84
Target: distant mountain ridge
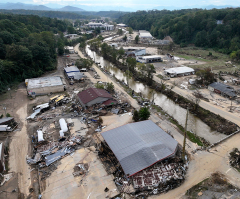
56,7
22,6
70,8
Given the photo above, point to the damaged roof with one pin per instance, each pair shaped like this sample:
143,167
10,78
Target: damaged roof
139,145
92,93
228,90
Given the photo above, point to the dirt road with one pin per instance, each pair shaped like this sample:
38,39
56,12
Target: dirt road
19,145
204,164
206,105
106,78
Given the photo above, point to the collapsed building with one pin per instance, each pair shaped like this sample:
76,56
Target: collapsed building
92,96
45,85
146,154
179,71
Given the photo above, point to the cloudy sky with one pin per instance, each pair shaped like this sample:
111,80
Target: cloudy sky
143,4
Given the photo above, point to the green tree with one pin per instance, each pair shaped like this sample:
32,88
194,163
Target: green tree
135,116
84,63
205,76
99,85
120,32
150,71
137,39
130,30
110,87
144,113
121,53
125,38
131,63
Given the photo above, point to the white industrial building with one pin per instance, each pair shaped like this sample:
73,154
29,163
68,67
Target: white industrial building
121,25
70,49
143,34
45,85
100,25
149,59
179,71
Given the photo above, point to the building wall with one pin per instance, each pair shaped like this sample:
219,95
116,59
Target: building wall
46,90
210,88
140,52
95,101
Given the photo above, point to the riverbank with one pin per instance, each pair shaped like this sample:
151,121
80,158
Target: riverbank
214,121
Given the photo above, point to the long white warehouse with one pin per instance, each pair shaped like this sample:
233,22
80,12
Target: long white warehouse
179,71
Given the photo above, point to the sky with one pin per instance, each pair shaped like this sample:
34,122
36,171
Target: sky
135,4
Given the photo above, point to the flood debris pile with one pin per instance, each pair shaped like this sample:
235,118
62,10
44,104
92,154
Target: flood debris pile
235,158
162,176
80,169
47,153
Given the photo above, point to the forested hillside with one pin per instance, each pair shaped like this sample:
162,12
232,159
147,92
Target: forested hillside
51,14
217,28
67,15
27,47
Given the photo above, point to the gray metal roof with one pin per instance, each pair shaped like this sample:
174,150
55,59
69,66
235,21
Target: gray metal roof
228,90
139,145
73,72
5,119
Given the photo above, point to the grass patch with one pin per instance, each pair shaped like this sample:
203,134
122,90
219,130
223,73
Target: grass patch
193,138
160,76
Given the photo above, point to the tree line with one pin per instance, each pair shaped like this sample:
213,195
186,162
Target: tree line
217,28
67,14
28,47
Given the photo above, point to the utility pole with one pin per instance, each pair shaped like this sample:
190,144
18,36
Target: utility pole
184,139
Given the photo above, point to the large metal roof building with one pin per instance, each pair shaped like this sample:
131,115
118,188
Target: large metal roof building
179,71
140,145
44,85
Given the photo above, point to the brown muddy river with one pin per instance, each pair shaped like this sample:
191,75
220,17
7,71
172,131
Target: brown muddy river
195,125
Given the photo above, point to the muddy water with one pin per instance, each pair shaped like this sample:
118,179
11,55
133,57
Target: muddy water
194,123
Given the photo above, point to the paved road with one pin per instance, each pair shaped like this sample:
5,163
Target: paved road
215,109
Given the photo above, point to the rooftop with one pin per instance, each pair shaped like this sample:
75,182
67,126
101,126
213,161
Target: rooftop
224,88
179,70
150,57
92,93
44,82
139,145
5,119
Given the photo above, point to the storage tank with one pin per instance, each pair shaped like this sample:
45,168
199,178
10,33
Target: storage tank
63,126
